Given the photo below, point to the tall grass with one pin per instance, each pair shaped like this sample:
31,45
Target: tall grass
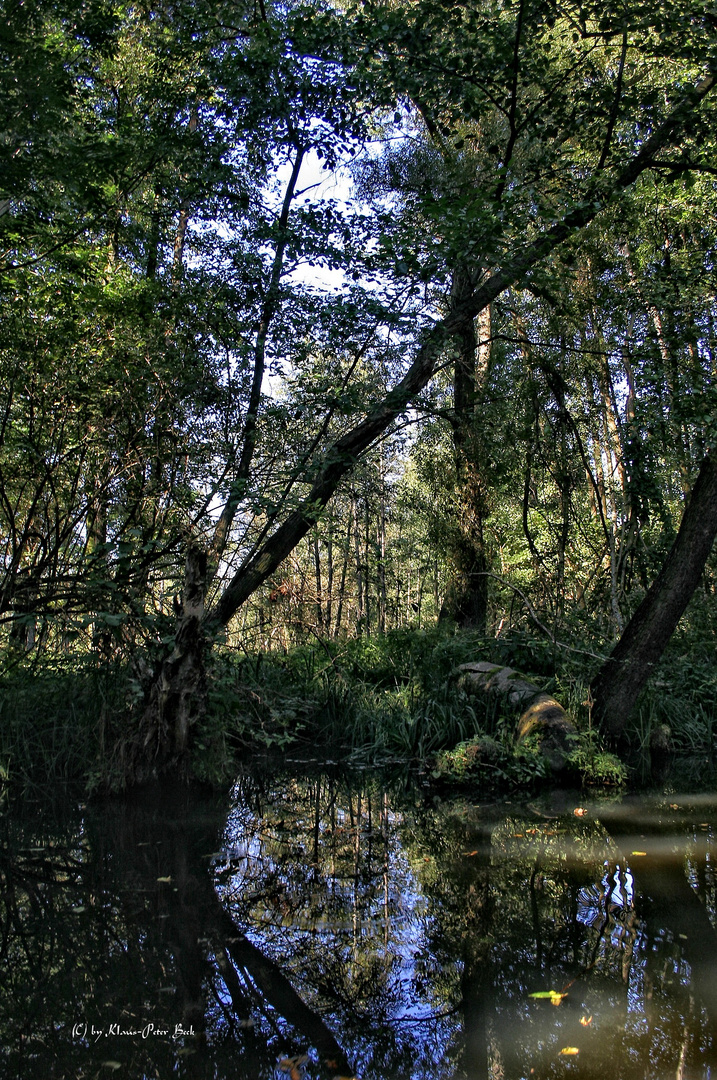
394,697
397,695
390,697
59,724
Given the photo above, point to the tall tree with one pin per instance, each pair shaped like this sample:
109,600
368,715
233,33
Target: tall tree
194,125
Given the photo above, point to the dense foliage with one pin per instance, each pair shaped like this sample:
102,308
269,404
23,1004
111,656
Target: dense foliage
321,321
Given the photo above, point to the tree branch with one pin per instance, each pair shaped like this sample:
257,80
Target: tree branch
346,451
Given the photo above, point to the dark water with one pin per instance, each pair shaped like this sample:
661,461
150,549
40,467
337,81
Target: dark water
311,928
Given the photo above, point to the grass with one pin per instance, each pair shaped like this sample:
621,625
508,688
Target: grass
371,700
57,724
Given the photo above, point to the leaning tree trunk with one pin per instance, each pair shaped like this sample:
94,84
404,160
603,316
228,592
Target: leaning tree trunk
617,685
178,680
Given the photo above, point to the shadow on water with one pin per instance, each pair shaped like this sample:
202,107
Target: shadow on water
319,926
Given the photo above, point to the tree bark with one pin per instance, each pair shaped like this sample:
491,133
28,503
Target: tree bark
176,698
540,714
467,599
617,685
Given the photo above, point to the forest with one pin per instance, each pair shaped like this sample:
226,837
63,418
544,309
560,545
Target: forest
343,344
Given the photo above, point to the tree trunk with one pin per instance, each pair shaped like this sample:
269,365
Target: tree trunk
317,575
617,685
179,678
177,695
540,714
467,600
344,568
381,546
359,572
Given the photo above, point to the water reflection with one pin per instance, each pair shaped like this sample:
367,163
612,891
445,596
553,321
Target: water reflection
329,926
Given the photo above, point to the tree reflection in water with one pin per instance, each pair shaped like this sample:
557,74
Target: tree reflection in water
328,926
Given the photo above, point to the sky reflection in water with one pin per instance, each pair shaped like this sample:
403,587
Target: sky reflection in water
328,926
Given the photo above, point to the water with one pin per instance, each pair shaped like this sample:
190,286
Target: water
314,927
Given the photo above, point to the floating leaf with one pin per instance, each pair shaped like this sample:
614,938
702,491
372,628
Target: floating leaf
553,996
291,1065
579,811
674,806
586,1020
470,854
638,853
165,880
570,1051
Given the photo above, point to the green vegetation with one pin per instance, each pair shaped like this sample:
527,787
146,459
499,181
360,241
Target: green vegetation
397,697
389,699
342,343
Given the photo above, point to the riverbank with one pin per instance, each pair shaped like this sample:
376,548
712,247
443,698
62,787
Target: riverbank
397,697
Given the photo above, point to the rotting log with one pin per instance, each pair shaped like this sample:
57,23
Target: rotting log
539,713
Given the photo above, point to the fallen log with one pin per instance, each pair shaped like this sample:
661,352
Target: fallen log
539,713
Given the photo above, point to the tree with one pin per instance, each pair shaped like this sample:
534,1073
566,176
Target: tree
203,119
617,685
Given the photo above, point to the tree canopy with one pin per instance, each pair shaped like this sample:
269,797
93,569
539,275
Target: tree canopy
253,255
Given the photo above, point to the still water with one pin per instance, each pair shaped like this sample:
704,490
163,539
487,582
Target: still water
312,927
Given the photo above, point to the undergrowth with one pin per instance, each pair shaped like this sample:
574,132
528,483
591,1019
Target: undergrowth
370,700
60,723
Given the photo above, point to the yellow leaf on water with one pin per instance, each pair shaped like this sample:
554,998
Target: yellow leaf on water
553,996
579,811
164,880
638,853
585,1020
569,1051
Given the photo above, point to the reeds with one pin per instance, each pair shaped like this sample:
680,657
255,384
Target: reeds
56,724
